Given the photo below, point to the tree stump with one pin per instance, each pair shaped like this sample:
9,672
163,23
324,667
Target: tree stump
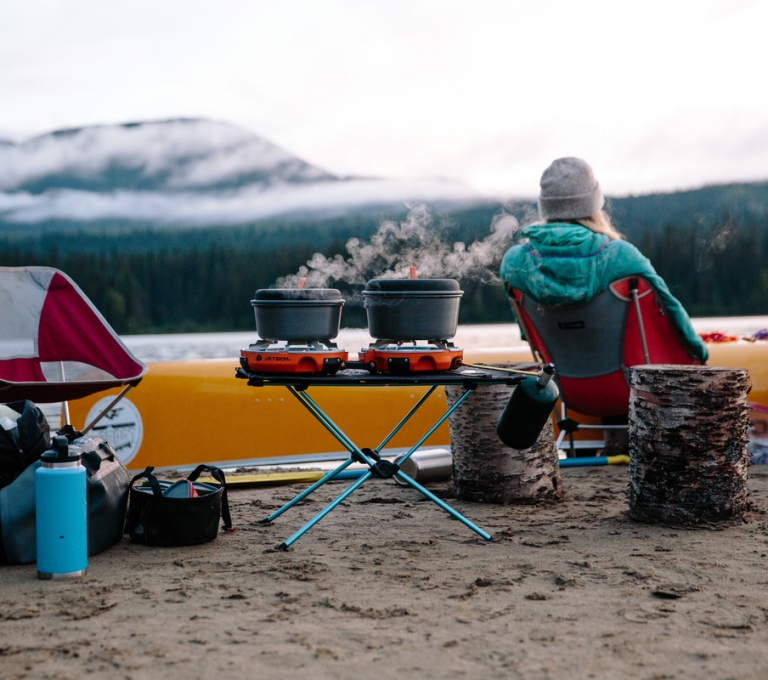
688,443
485,470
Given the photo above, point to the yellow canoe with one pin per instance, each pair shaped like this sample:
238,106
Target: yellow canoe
191,412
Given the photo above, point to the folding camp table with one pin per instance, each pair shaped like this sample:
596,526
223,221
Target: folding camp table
298,385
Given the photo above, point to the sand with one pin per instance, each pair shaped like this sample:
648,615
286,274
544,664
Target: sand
389,586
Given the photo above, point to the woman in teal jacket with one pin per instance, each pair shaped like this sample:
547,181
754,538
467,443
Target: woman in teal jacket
575,253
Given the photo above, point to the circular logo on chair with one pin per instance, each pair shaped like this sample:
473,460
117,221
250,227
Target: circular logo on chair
121,426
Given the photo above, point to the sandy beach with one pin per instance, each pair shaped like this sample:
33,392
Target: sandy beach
389,586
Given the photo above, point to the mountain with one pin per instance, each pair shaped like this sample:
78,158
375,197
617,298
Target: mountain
179,172
170,156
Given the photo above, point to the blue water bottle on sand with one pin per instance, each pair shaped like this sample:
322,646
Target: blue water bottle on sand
61,513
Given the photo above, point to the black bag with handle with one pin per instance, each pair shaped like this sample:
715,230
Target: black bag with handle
22,445
155,518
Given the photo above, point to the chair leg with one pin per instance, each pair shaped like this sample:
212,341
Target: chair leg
571,446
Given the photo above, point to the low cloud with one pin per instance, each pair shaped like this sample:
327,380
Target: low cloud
231,207
176,155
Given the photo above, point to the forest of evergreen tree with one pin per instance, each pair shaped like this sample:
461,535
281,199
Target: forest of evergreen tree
710,246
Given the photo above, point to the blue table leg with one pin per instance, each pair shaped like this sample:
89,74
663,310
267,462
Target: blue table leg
407,417
348,492
443,418
318,413
453,513
306,492
326,421
345,441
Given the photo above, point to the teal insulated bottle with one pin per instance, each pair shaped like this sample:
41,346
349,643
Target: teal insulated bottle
61,513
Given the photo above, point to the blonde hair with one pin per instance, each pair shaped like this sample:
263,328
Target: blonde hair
600,223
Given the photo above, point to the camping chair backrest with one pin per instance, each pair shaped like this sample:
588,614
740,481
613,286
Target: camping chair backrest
592,344
54,344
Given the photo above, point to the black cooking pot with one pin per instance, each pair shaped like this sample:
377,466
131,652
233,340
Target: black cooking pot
297,315
412,309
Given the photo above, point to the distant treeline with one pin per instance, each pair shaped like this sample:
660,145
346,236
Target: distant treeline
147,281
713,253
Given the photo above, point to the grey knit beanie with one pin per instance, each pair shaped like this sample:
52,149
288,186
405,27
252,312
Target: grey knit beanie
569,190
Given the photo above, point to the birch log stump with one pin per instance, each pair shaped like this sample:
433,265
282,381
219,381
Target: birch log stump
485,470
688,443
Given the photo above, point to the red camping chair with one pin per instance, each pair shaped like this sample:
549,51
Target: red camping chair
54,344
592,344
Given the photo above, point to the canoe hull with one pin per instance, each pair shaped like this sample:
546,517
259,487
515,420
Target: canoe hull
191,412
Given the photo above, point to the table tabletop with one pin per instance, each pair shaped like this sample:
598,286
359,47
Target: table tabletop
468,377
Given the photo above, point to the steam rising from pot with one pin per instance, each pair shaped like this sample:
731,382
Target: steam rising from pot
416,242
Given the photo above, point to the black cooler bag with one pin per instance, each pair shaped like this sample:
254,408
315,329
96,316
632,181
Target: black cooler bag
156,519
23,445
107,483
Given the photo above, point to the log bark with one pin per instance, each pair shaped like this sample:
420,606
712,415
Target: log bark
485,470
688,443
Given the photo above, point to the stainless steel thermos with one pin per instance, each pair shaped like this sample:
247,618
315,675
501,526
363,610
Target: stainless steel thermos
61,513
430,465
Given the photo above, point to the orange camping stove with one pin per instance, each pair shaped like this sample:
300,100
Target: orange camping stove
294,359
400,359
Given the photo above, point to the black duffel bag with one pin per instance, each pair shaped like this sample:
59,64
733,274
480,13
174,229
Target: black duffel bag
24,444
157,519
107,483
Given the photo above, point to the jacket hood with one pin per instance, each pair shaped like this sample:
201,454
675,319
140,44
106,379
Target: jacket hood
572,238
562,262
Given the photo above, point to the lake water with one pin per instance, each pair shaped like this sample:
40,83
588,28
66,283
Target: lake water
184,346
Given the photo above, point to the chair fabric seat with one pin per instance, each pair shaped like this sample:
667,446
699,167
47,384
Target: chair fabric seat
54,344
592,344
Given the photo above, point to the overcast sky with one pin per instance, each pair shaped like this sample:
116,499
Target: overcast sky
659,94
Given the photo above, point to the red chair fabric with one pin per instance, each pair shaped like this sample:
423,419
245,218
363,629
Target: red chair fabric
594,343
54,344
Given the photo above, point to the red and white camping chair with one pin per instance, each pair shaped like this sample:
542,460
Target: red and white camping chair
54,344
594,343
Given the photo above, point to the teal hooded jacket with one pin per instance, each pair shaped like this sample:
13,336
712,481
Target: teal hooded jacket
564,264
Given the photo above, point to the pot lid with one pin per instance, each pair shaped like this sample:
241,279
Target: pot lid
413,285
296,294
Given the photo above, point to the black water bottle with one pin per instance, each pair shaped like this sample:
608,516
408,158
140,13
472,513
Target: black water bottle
528,409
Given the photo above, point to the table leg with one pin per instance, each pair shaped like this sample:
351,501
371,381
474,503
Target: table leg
306,492
401,475
326,421
318,413
431,430
453,513
407,417
348,492
345,441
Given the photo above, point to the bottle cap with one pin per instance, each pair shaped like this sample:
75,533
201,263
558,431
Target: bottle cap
59,453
